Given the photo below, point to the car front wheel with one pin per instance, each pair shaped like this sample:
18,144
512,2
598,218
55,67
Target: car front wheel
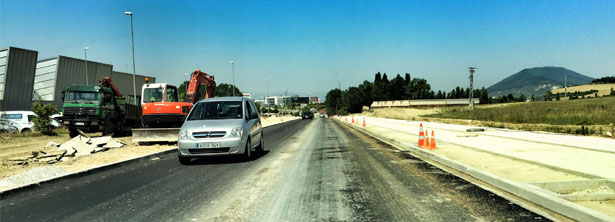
261,145
183,160
247,153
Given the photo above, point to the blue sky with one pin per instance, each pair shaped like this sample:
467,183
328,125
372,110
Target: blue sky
310,46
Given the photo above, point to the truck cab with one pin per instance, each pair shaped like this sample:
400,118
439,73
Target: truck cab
161,105
87,107
93,108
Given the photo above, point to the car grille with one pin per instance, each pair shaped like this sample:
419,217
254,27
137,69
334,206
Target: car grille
79,111
215,150
209,134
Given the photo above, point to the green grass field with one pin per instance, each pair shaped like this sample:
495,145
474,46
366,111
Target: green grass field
596,111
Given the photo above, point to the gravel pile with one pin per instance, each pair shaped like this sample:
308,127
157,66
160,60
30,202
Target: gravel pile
30,176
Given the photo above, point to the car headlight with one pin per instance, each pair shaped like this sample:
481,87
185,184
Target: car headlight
183,134
236,132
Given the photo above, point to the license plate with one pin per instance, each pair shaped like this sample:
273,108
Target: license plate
207,145
80,123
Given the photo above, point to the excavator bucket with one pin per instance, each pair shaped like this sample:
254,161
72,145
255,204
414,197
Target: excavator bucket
154,135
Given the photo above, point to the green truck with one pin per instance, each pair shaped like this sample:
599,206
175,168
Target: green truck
102,108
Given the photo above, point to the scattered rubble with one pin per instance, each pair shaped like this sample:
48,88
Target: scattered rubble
475,130
80,145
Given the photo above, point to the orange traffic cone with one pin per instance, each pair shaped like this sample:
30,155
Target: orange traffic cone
426,140
363,122
421,136
352,119
432,145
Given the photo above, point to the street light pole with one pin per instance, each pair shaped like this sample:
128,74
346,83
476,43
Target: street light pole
85,51
267,98
186,86
132,37
233,65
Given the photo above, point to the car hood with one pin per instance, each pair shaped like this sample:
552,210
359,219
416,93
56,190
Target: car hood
212,125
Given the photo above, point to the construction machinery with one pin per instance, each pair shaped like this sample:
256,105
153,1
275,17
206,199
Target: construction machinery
163,113
95,108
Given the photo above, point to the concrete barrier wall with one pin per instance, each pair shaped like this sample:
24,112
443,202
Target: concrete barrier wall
422,103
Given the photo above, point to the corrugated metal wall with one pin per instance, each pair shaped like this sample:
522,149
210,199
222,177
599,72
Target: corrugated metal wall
72,71
45,80
123,82
55,75
4,53
17,78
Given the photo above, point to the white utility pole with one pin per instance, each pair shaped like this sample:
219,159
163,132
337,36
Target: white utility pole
565,87
471,87
233,65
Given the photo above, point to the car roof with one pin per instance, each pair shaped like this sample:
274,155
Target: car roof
15,112
224,99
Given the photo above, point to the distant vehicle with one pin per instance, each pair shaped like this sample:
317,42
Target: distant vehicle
20,119
307,115
7,126
221,126
322,115
56,121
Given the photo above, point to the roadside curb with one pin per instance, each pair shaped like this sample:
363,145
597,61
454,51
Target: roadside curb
540,201
93,170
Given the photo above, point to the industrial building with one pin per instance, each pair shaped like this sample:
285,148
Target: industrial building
300,99
24,79
16,78
278,100
314,99
55,74
286,100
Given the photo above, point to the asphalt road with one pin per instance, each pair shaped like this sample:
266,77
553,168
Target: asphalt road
316,170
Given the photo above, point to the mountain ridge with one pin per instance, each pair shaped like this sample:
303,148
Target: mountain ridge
536,81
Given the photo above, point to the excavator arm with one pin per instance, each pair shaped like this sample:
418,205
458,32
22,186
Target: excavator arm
197,79
106,82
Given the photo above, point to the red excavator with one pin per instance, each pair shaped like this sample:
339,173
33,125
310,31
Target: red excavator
163,113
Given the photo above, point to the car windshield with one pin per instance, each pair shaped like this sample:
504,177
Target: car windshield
90,97
217,110
151,95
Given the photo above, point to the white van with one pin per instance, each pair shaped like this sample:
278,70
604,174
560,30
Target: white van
21,119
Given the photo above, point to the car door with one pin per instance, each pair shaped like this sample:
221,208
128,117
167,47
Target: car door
251,122
257,121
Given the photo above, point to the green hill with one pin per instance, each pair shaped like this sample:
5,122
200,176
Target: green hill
537,81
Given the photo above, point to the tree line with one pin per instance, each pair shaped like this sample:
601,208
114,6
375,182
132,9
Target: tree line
607,79
222,90
354,98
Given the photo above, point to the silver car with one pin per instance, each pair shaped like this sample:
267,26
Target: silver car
221,126
7,126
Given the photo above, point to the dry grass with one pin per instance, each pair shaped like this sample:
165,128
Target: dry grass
603,89
596,111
